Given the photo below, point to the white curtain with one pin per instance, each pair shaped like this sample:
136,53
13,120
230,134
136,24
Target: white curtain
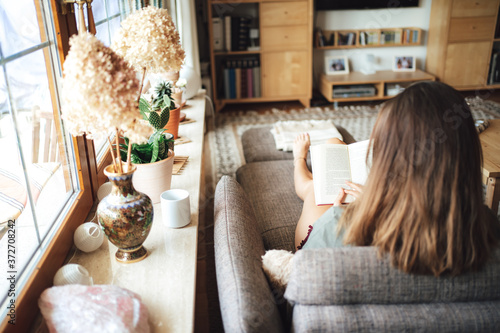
186,25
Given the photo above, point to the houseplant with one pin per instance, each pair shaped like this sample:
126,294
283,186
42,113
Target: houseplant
148,40
99,96
154,159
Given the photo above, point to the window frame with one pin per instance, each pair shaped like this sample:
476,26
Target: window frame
90,175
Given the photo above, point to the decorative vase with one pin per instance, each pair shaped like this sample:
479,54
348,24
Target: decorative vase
126,216
177,97
154,178
172,76
173,122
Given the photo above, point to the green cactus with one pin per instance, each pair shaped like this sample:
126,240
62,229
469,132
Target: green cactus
157,112
163,96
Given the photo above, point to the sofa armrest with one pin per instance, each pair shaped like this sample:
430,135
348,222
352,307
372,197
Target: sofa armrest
246,300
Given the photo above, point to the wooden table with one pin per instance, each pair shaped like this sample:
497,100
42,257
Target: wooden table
166,279
490,142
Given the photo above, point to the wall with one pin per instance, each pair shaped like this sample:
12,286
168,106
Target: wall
373,19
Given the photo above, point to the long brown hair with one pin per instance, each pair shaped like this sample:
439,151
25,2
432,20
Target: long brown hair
423,200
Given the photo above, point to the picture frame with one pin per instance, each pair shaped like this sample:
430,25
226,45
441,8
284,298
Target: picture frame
335,65
404,63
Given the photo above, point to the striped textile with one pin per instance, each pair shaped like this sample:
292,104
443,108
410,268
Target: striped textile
13,194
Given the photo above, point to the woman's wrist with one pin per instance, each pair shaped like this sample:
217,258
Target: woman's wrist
298,158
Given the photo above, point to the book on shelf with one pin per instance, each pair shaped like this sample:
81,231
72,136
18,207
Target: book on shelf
410,36
331,39
241,78
362,38
333,165
237,79
346,38
321,38
390,37
218,33
227,32
236,33
256,78
226,80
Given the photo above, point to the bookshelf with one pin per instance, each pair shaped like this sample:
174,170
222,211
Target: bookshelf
277,48
387,37
357,86
463,48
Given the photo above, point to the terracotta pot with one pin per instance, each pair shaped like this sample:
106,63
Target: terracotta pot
126,216
173,122
154,178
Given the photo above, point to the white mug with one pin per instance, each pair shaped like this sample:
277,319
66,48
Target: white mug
175,208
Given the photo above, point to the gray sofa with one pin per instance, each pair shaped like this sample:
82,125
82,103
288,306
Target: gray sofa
330,290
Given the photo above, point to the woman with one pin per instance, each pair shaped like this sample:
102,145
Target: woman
423,200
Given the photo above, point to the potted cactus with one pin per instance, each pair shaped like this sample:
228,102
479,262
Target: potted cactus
154,159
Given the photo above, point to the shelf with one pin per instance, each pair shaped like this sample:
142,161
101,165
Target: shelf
228,53
362,46
379,79
367,38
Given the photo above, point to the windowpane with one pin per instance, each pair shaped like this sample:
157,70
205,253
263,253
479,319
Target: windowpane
99,10
37,178
19,16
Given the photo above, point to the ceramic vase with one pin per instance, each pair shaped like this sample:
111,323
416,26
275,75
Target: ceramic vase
154,178
172,126
177,97
126,216
172,76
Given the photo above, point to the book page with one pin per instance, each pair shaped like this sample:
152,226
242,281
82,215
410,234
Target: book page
357,159
330,167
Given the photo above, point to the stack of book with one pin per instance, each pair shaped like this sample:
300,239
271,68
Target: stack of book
322,40
347,38
231,33
390,37
242,78
410,36
368,38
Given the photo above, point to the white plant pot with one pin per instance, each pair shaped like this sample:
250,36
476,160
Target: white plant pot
153,179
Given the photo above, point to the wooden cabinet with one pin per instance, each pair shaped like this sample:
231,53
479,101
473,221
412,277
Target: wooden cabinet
284,56
283,74
462,42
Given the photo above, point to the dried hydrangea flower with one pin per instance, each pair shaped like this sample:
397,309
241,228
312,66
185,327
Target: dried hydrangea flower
139,131
99,89
148,40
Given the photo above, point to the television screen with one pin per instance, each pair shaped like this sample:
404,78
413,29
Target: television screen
363,4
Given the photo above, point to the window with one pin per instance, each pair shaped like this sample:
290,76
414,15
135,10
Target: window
48,178
40,185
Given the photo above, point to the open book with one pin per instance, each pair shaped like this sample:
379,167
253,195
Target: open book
333,164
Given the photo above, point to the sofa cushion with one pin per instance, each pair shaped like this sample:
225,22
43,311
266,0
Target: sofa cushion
259,145
396,318
353,275
246,300
270,189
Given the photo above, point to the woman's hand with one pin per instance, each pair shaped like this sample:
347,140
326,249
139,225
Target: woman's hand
339,200
355,190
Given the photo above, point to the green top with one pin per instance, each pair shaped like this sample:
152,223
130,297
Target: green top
324,233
